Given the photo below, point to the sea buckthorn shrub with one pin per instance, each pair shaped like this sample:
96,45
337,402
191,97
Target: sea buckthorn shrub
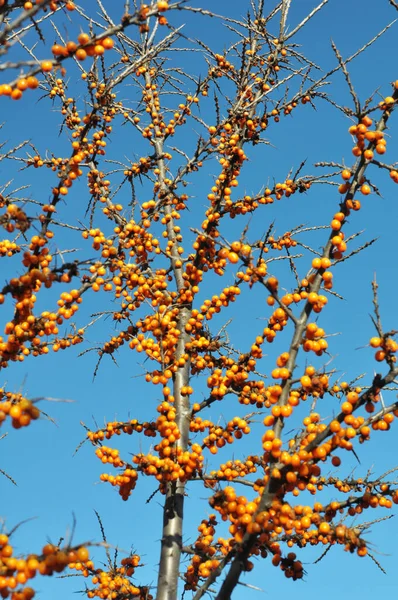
259,419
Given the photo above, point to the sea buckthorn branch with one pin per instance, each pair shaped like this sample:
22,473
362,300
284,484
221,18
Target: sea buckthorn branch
192,164
171,542
199,406
347,78
325,77
117,581
296,29
353,252
219,435
25,327
50,209
101,192
6,66
214,130
7,155
236,471
273,485
10,27
391,168
239,136
138,18
279,190
286,310
17,571
315,443
315,286
348,484
377,320
206,554
146,55
284,14
20,409
117,427
368,396
211,481
171,465
327,533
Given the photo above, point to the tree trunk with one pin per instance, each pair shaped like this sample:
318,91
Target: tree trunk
173,510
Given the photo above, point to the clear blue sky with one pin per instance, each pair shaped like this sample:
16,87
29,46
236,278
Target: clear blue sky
52,483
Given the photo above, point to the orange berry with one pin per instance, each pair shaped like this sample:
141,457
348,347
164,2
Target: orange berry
375,342
46,66
346,408
83,38
305,522
107,43
365,189
58,50
368,154
380,355
284,373
324,527
233,257
99,49
305,381
81,54
335,426
327,276
32,82
83,554
316,263
5,89
22,84
71,47
16,94
312,297
325,263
